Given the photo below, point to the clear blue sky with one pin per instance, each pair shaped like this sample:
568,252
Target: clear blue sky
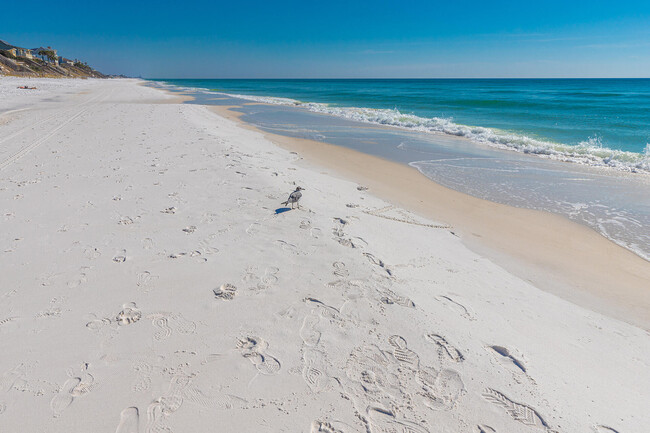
325,39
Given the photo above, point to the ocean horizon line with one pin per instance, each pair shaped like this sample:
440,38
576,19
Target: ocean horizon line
396,79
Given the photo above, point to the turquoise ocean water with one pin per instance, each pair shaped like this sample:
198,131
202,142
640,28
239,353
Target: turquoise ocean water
592,121
577,148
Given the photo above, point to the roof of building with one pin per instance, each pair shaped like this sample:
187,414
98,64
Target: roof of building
5,46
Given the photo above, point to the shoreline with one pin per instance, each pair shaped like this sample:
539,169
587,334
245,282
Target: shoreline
170,290
549,149
568,259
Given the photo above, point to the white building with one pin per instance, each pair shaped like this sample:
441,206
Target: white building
36,51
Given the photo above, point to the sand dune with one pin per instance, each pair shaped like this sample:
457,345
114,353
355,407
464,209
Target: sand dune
152,282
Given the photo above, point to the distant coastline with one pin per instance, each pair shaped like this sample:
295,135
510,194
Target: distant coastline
43,62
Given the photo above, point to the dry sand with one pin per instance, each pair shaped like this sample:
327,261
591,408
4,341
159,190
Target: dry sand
150,286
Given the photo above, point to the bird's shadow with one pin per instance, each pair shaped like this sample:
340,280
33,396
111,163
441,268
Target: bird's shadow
282,210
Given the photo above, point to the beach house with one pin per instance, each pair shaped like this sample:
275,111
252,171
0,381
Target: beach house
40,53
15,51
24,52
64,61
10,49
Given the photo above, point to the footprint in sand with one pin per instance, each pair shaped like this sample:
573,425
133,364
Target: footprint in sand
80,278
372,374
166,405
339,235
308,332
73,387
440,389
225,292
254,349
270,277
319,426
339,227
350,242
290,248
129,314
250,274
314,370
374,260
119,259
402,353
182,325
86,384
445,349
125,221
96,324
357,310
389,297
485,429
143,381
383,420
209,245
212,402
505,357
146,281
340,284
160,322
378,262
10,377
264,363
325,310
64,397
604,429
340,270
457,307
166,323
519,412
330,427
92,253
129,421
8,320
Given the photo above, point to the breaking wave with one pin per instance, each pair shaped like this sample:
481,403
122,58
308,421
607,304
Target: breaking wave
589,152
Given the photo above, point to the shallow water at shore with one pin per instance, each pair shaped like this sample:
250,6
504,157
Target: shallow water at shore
615,204
601,123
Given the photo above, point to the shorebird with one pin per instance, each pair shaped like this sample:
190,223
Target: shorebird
294,197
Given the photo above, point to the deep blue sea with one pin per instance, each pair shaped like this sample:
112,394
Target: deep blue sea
591,121
576,148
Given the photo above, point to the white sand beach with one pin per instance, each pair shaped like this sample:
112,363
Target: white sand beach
149,285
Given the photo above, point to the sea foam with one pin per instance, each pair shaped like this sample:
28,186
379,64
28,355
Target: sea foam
589,152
